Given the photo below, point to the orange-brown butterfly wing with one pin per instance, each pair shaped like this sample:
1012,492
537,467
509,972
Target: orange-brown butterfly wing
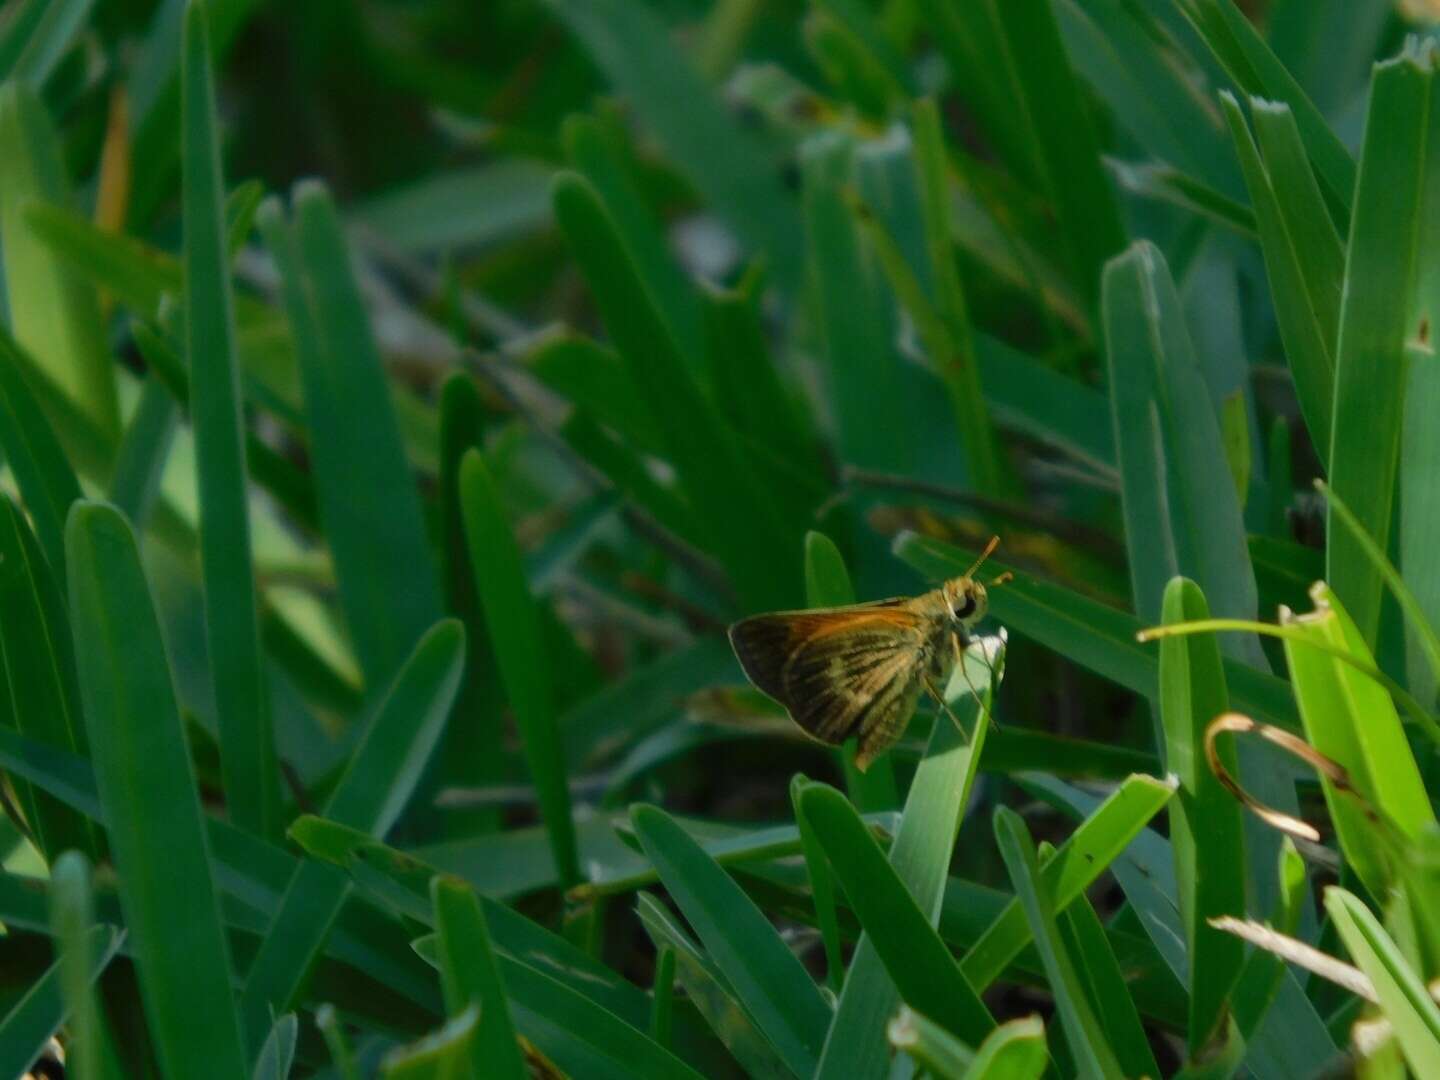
842,672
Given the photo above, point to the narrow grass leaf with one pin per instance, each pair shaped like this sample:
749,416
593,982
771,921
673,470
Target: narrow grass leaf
513,619
1206,827
856,1045
147,784
52,37
41,696
1375,323
1092,1054
389,587
370,795
662,996
39,1014
471,977
144,452
52,314
1013,1051
1304,255
822,888
278,1054
766,975
232,626
72,915
919,962
733,510
1419,518
1404,999
342,1055
445,1054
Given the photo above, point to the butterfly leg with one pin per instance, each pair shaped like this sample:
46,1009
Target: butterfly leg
955,644
945,707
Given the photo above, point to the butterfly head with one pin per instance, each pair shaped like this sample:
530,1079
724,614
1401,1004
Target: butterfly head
965,600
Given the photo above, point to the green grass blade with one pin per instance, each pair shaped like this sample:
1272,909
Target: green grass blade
342,1056
662,996
472,977
52,314
1419,515
53,35
1404,999
933,1048
147,784
1090,633
919,962
278,1053
515,626
724,162
1304,256
446,1054
26,1029
822,888
1092,1054
1014,1051
1206,827
20,24
46,481
143,454
768,978
370,795
232,625
72,913
1375,324
734,512
389,587
42,695
1065,875
856,1044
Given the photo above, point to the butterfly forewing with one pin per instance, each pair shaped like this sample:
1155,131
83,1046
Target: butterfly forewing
841,672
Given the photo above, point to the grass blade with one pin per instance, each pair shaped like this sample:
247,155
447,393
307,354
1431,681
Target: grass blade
1014,1051
278,1053
143,454
472,977
51,39
72,913
1093,1055
147,785
232,625
446,1054
26,1029
513,618
1206,828
1375,324
768,978
822,888
919,962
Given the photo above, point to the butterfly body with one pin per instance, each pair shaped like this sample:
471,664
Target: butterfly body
860,670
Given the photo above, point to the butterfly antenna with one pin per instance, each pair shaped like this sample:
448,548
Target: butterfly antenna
989,550
1001,579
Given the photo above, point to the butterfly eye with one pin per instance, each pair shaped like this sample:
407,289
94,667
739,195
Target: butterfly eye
966,609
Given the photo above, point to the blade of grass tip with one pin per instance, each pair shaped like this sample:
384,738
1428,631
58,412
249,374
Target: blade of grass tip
855,1045
1097,842
1304,255
27,1028
822,889
1014,1051
930,1046
1093,1055
513,618
662,996
1207,830
918,960
1421,628
147,785
278,1053
37,668
370,795
144,452
232,626
72,913
53,314
342,1056
1375,324
732,509
389,588
1404,999
445,1054
827,584
43,474
768,978
472,978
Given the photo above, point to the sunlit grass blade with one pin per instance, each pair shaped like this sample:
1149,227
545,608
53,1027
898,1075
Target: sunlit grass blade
1404,998
920,855
370,795
1092,1053
513,619
766,975
1206,827
26,1029
472,977
147,784
37,671
52,314
1375,324
389,588
920,964
232,627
